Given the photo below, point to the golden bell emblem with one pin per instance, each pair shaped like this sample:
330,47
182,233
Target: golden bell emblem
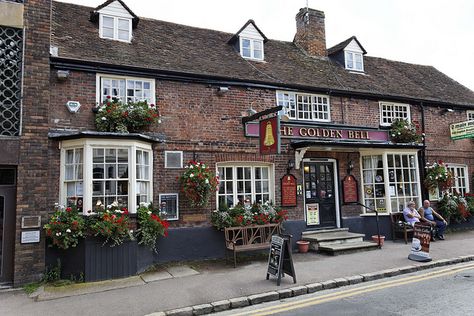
269,140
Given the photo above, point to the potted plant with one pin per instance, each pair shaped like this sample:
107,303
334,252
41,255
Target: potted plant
151,226
402,131
303,246
438,177
378,239
198,183
65,227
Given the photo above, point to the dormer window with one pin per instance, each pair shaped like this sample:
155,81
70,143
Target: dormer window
115,28
354,61
116,20
249,41
251,48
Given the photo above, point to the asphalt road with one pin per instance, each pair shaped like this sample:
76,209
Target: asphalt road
444,291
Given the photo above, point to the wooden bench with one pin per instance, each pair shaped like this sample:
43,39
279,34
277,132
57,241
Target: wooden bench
399,225
248,238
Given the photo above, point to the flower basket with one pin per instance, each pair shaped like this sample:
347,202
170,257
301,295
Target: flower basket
438,177
402,131
198,183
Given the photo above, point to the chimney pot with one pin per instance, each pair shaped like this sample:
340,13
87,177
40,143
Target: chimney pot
310,32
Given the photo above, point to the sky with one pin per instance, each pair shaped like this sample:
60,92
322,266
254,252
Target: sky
439,33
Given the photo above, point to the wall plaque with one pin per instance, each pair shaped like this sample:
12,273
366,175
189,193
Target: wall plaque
30,237
350,191
31,221
312,214
288,190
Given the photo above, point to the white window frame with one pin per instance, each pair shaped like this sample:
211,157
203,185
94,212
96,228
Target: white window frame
454,168
253,165
354,55
386,182
177,206
470,115
99,86
173,152
252,48
88,145
291,98
115,27
393,106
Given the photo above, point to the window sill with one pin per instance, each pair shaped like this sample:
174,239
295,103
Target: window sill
373,214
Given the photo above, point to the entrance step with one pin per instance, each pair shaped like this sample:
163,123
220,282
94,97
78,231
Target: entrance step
5,286
337,241
324,230
338,249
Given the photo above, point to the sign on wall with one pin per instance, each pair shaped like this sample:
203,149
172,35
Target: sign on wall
270,136
288,190
312,214
350,191
462,130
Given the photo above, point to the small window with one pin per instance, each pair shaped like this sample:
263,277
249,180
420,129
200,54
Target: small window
392,111
354,61
470,115
460,175
7,176
308,107
251,48
115,28
173,159
127,89
169,206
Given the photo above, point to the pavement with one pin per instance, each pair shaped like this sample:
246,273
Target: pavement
210,286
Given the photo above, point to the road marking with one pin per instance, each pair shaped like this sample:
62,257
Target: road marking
355,291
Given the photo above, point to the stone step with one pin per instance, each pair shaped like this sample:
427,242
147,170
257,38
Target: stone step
5,286
336,237
338,249
324,230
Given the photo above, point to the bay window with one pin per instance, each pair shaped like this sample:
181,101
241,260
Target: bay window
100,171
244,184
390,180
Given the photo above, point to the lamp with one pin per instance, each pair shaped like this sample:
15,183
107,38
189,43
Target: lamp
350,167
222,90
291,165
447,110
62,75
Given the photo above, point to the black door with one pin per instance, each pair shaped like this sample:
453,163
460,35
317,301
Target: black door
320,191
7,222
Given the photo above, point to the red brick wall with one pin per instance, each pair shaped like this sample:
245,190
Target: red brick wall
33,188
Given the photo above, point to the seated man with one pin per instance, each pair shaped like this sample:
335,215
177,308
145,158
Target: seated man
434,219
410,214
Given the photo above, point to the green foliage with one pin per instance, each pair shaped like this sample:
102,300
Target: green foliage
115,116
198,183
65,227
454,208
52,274
151,226
402,131
438,176
245,215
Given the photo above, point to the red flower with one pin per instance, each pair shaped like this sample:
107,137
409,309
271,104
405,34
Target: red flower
108,97
68,209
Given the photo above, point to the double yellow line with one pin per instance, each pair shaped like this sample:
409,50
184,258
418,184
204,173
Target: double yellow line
355,291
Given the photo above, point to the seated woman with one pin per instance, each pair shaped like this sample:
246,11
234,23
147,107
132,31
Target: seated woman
410,214
434,219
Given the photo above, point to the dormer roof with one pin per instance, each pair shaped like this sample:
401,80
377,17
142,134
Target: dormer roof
95,13
250,23
342,45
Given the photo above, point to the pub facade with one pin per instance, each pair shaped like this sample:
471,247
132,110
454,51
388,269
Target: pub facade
335,150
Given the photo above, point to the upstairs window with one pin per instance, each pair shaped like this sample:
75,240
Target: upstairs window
392,111
470,115
251,48
115,28
308,107
354,61
127,89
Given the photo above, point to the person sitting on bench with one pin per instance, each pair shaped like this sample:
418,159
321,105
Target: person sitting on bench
410,214
434,219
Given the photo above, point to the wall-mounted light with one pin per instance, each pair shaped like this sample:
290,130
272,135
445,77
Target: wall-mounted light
222,90
291,165
62,75
73,106
447,110
350,167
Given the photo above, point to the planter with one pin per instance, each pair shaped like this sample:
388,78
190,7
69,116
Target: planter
375,239
303,246
95,262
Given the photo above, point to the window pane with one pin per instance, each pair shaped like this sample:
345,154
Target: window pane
108,33
123,24
108,22
123,35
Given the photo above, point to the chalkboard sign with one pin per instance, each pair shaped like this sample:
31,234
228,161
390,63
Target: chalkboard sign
280,260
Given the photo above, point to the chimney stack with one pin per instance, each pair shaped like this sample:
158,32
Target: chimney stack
310,32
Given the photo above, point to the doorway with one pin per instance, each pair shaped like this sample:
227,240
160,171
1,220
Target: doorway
321,193
7,222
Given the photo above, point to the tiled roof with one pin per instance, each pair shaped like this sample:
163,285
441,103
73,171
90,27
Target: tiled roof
170,47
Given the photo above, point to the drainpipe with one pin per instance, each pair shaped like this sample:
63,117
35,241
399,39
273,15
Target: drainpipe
423,153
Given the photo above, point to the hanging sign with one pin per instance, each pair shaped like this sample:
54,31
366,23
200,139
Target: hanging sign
270,136
420,245
312,214
280,260
288,190
350,190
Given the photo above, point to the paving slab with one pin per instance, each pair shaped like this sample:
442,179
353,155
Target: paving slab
155,276
181,271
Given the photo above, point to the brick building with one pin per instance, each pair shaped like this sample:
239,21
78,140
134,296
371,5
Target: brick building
339,101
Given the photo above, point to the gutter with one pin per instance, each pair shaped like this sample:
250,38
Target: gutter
92,66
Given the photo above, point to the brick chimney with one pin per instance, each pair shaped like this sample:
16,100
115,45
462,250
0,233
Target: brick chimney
310,32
